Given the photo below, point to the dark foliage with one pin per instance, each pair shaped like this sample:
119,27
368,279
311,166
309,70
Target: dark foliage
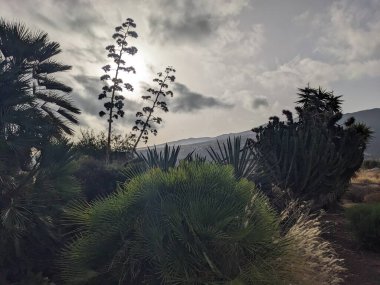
95,145
369,164
31,205
36,179
96,178
365,223
33,104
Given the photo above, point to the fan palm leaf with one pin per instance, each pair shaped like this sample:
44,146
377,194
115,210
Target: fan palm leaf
194,224
26,74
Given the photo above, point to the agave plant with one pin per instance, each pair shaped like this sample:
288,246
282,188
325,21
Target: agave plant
163,159
194,224
195,157
233,153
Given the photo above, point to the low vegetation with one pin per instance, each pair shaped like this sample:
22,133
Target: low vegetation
370,164
365,223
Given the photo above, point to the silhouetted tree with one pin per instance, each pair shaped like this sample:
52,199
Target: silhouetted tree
32,101
157,99
114,86
313,157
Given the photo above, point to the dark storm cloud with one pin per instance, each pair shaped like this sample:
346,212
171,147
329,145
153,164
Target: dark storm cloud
260,101
187,101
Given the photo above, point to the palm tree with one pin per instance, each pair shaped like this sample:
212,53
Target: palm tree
32,101
35,113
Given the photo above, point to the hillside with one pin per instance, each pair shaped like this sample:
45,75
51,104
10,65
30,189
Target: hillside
369,117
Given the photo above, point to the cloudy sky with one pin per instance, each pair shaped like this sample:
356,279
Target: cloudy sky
238,61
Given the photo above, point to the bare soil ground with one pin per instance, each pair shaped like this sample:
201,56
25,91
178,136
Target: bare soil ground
363,266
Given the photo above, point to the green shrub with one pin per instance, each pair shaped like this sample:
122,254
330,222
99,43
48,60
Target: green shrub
194,224
365,224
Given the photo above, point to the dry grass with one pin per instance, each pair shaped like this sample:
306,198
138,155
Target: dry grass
312,259
367,176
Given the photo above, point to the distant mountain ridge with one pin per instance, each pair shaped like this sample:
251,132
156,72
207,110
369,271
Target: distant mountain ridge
370,117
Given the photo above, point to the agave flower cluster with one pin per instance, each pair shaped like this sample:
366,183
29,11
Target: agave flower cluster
114,86
145,119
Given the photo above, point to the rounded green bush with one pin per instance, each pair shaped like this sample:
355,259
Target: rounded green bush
195,224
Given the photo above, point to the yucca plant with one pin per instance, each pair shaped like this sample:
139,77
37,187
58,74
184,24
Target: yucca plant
194,224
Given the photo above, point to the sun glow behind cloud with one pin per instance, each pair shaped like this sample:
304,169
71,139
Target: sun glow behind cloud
143,73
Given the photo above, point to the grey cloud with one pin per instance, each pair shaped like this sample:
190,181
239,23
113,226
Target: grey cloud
260,101
79,18
190,27
350,30
184,21
88,100
82,24
188,101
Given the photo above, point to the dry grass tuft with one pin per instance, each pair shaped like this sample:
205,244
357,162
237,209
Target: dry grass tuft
367,176
315,262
